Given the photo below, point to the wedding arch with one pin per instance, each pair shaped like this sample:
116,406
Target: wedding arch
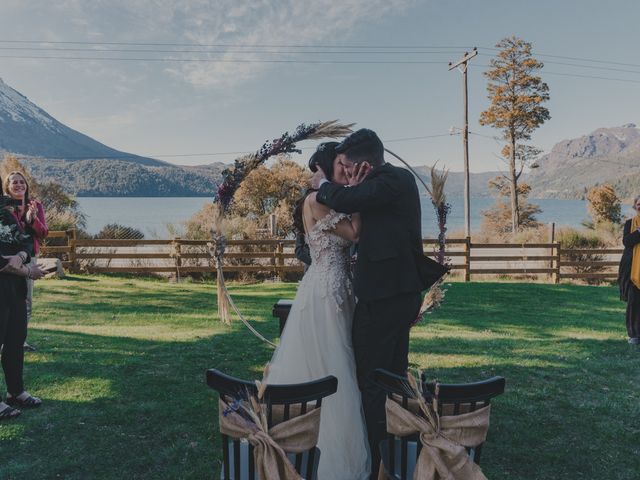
233,177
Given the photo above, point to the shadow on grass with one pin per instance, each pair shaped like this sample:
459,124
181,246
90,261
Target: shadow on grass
144,403
121,407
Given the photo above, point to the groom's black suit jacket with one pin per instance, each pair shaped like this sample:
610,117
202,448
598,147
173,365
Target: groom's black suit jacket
390,256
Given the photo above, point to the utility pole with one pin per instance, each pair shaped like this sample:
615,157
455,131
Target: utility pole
462,63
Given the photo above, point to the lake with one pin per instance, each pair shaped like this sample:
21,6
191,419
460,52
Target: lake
151,215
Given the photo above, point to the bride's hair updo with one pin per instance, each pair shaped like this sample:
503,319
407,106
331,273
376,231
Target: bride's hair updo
323,157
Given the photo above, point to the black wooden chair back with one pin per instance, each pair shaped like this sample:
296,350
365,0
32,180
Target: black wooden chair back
290,400
459,398
399,454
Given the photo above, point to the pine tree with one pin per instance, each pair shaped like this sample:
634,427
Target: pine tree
516,95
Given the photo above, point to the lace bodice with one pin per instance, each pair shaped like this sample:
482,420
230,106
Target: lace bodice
329,257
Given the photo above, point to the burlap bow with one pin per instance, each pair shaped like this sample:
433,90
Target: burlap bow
296,435
443,456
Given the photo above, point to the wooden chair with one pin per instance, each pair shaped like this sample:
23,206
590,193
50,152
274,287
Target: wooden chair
292,400
399,454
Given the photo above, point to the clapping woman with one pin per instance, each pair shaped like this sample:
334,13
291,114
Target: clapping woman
629,273
14,271
30,214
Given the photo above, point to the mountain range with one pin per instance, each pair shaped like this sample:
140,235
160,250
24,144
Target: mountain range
606,155
86,167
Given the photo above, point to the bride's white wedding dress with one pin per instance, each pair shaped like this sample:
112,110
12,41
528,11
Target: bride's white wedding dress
316,342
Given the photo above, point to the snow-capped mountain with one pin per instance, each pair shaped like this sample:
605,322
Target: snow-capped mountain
26,129
51,151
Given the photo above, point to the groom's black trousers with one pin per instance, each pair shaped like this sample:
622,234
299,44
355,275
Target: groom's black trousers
381,340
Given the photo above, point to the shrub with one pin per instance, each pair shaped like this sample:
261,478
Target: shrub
604,204
569,239
119,232
496,220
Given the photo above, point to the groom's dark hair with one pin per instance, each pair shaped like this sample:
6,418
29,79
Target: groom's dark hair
363,146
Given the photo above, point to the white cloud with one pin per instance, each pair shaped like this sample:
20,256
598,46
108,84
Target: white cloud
220,22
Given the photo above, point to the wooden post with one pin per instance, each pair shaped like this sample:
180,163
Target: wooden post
177,255
467,259
557,274
273,225
552,238
463,64
280,253
72,236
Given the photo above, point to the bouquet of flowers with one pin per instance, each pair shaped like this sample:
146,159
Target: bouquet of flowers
10,232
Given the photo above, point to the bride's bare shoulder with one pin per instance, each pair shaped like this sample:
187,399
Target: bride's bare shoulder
318,210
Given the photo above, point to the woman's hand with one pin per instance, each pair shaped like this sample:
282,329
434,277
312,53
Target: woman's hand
13,261
36,272
15,266
32,212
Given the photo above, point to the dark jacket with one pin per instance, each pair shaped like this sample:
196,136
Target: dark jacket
390,256
12,236
629,240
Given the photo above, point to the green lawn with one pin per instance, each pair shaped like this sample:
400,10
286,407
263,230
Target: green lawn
120,365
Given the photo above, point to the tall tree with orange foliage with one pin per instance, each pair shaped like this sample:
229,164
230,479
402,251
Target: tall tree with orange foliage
516,95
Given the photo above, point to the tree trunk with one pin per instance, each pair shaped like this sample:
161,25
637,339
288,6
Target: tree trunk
515,211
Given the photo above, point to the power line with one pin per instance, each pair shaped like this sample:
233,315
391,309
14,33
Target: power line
276,52
282,61
213,60
299,46
596,159
577,75
269,52
210,154
239,45
596,67
582,59
227,51
596,77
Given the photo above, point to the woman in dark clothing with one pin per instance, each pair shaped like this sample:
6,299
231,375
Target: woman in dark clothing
15,248
629,274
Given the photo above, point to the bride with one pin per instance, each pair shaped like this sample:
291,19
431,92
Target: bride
316,341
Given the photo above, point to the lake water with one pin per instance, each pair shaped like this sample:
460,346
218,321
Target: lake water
151,215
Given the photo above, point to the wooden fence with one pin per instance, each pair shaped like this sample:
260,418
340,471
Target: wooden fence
276,257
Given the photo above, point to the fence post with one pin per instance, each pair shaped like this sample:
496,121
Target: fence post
72,236
556,278
177,255
280,269
467,259
552,239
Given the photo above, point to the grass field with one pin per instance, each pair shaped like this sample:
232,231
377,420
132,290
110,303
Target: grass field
120,366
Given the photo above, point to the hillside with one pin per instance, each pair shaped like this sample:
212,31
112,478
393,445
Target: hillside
117,178
455,182
573,166
86,167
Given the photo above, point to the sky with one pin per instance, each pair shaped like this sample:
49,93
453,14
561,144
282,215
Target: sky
271,65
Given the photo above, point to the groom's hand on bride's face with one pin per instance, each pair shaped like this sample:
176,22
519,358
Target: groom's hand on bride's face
317,178
358,173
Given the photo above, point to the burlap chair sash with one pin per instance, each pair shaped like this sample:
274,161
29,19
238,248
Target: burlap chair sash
296,435
443,455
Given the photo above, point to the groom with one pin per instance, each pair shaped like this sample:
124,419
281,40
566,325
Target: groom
391,270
